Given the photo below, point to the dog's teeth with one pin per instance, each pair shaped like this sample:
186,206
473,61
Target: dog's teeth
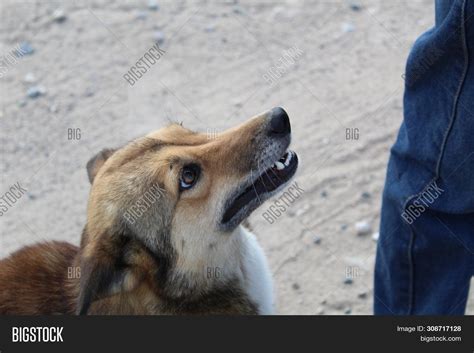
279,165
288,158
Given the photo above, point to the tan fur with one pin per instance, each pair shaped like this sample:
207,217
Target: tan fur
120,273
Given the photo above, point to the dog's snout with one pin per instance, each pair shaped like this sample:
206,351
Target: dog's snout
279,122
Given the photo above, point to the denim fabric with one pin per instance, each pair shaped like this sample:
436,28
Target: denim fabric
425,253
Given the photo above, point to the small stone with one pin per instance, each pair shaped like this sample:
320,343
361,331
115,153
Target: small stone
153,5
35,91
22,103
278,12
25,49
324,193
210,28
237,103
53,108
324,302
29,78
366,195
347,27
159,37
348,311
59,16
343,226
375,236
317,240
31,196
238,10
348,281
141,15
295,286
363,227
89,92
355,6
320,312
362,295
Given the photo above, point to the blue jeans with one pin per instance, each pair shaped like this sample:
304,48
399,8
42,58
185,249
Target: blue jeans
425,253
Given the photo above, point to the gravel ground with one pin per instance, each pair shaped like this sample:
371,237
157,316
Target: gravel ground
215,73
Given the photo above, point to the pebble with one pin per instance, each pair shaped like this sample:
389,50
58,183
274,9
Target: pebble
278,11
355,6
320,312
324,302
159,37
210,28
317,240
89,92
153,5
295,286
238,10
29,78
300,211
348,311
363,227
366,195
25,49
347,27
324,193
362,295
141,15
53,108
375,236
35,91
59,16
343,226
348,281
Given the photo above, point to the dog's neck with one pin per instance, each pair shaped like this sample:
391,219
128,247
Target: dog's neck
199,276
201,264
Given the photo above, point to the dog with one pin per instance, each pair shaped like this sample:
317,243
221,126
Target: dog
164,230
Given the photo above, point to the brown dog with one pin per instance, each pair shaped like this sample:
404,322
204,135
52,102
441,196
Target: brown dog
163,232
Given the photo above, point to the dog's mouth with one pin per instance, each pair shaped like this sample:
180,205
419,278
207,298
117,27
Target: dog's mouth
261,188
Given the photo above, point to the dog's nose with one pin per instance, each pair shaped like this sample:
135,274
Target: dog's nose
279,122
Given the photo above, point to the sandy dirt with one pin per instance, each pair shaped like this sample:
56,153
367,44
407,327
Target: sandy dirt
213,75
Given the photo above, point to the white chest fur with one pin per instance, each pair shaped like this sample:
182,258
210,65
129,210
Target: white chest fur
257,277
236,256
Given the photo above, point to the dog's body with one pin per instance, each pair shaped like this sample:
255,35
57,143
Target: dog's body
41,279
163,234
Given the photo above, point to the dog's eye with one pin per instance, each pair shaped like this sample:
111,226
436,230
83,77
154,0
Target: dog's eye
189,176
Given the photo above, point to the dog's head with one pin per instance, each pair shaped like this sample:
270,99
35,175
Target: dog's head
182,194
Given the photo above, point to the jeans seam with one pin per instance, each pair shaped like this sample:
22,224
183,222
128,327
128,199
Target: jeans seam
458,93
454,111
440,157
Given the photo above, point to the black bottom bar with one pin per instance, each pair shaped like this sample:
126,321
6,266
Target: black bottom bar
289,333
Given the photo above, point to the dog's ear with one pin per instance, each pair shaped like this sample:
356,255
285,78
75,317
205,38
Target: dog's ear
99,271
96,162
